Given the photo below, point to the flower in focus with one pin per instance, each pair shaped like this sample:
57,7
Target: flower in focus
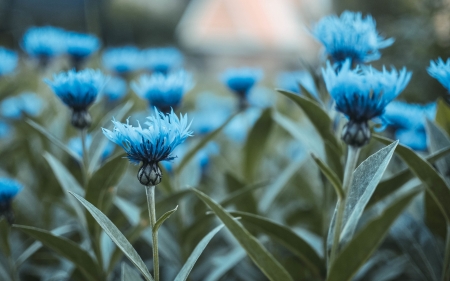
292,80
350,36
44,42
78,90
241,80
8,61
163,91
75,144
115,89
162,60
26,103
362,94
9,188
80,45
122,60
440,70
152,144
408,122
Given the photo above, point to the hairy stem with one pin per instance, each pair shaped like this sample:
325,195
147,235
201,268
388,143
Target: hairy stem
150,191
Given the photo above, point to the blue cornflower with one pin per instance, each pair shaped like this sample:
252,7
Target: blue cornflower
441,71
115,89
151,145
44,42
291,81
8,61
78,90
5,129
362,94
9,188
409,116
26,103
163,91
415,139
162,59
211,112
81,45
241,80
122,60
350,37
75,144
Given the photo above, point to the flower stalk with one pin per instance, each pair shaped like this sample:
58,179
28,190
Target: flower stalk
150,191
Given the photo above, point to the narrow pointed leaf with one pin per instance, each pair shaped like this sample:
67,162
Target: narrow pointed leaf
129,274
238,194
187,267
354,255
66,248
330,175
256,251
116,236
164,217
436,185
443,115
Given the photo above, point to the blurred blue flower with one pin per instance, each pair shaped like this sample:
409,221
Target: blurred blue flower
350,37
78,90
211,112
162,60
153,144
8,61
44,41
26,103
115,89
440,71
363,93
239,127
163,91
241,80
261,97
292,80
123,59
5,129
76,146
415,139
9,188
81,45
409,116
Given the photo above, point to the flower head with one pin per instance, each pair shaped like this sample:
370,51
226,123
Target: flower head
401,115
440,71
350,36
241,80
362,94
44,41
162,59
8,61
163,91
5,129
26,103
415,139
122,60
78,90
9,188
211,112
115,89
80,45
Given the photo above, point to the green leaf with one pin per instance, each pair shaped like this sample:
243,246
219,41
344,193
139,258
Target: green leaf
330,175
238,194
129,274
164,217
54,140
204,141
66,248
116,236
443,115
365,179
363,245
316,115
4,237
256,143
187,267
277,185
256,251
436,185
288,238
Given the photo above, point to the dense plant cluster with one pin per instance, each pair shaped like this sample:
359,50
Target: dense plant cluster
329,177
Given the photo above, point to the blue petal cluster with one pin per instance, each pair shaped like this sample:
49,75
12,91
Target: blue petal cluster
350,36
122,60
78,90
241,80
162,60
163,91
153,144
9,188
440,70
81,45
5,129
44,41
115,89
76,146
26,103
363,93
8,61
291,81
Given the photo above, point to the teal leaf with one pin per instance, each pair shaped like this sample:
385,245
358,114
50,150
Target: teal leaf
330,175
129,274
187,267
116,236
256,251
354,255
164,217
66,248
443,115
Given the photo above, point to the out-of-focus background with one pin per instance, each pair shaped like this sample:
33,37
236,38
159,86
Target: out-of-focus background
215,34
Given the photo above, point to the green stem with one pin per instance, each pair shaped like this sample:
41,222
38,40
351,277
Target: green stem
85,164
446,268
150,191
350,165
